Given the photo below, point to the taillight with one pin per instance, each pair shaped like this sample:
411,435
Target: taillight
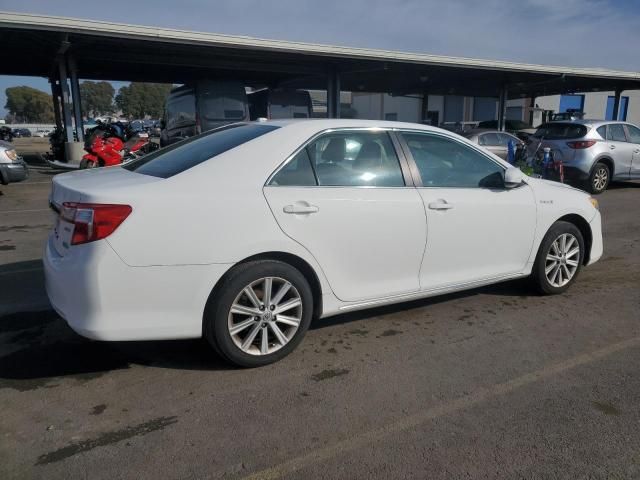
93,221
580,144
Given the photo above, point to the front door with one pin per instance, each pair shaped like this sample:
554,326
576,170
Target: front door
344,198
633,133
476,229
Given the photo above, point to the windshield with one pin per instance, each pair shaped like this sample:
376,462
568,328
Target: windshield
188,153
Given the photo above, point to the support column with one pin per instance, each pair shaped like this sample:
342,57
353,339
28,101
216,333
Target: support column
66,108
55,95
75,92
616,104
425,107
502,108
532,104
333,94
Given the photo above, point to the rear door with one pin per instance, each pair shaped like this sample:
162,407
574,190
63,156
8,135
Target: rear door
347,199
621,151
477,229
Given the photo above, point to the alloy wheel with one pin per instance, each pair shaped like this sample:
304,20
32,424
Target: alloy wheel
562,260
265,316
600,178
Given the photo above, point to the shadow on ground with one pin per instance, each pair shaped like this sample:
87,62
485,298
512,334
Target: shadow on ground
43,350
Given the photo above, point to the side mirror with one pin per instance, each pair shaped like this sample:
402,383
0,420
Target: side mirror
513,177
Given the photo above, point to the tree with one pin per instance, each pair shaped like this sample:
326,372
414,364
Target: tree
28,104
97,98
141,99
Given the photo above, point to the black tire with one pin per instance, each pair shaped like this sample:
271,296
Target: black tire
216,315
596,184
538,274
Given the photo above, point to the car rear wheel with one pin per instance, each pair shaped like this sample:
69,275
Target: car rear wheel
599,178
559,258
260,314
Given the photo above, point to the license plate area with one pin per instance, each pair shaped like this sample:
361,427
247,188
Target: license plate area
62,235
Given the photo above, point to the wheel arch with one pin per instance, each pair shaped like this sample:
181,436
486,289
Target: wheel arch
608,161
585,229
295,261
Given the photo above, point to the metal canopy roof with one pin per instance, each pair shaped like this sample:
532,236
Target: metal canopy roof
113,51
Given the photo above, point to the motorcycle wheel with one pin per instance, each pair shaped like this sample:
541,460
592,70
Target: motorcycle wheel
87,164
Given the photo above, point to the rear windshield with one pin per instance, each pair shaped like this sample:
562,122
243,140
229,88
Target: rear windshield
181,156
561,131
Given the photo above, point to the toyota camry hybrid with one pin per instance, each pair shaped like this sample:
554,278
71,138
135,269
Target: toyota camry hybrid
244,234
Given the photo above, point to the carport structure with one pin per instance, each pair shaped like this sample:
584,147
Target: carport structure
64,49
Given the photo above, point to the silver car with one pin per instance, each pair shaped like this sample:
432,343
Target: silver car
12,167
493,140
593,152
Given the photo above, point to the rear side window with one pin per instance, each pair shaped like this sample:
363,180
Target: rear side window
489,140
561,131
188,153
298,172
615,133
602,131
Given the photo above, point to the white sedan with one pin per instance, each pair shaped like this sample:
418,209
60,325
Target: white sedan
246,233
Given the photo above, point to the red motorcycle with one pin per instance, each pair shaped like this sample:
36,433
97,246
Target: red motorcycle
113,144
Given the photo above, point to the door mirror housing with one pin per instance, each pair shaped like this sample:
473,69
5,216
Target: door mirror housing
513,177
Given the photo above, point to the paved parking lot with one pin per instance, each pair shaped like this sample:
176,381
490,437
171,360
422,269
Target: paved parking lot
493,383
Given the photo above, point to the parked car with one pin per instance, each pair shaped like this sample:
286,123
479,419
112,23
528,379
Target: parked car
6,134
12,167
593,152
45,132
280,103
459,127
245,233
205,105
520,129
495,141
21,132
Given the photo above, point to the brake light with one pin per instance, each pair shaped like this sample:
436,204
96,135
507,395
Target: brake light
580,144
93,221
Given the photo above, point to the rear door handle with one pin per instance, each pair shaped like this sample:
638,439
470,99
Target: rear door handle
612,147
440,205
300,209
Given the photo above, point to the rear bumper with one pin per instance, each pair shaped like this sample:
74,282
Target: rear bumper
597,245
13,172
102,298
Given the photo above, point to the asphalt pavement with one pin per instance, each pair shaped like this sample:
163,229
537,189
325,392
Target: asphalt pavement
496,382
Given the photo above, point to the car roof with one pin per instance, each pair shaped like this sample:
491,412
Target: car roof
329,123
590,122
480,131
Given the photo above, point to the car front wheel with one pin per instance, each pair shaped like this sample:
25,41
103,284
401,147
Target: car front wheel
259,314
559,258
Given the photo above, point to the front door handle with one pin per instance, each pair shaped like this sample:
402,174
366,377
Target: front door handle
300,209
440,205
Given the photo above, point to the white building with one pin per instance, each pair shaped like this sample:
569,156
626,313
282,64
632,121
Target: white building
454,108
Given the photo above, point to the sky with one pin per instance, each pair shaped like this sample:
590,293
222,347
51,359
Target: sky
581,33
